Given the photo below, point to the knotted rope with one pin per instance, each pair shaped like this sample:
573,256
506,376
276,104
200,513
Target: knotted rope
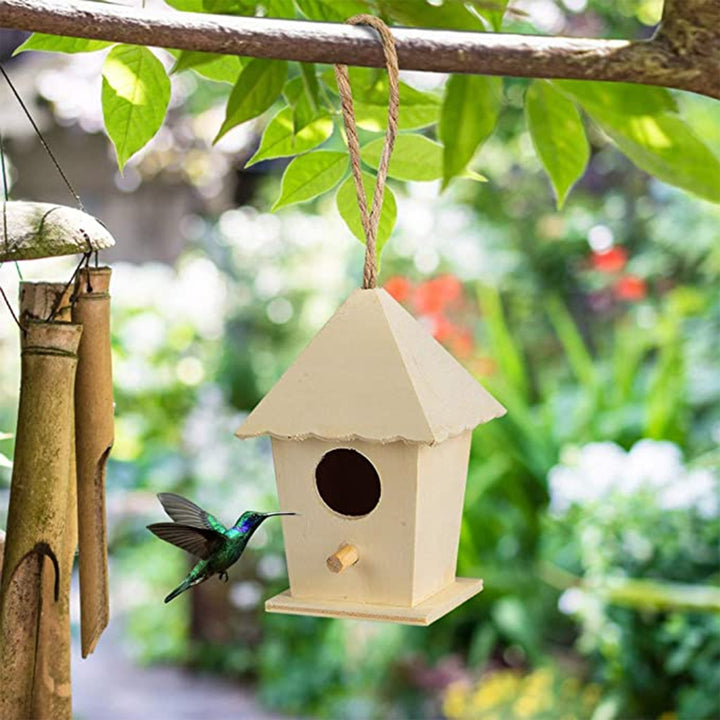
371,220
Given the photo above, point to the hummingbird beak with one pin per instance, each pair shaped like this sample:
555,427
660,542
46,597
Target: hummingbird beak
274,514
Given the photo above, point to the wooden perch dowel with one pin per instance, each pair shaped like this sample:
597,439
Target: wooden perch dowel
685,54
94,433
344,557
38,504
39,230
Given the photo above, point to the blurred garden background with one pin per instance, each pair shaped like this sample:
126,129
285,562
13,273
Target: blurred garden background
592,510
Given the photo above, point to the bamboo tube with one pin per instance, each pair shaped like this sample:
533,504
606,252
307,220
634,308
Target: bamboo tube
38,502
52,696
94,439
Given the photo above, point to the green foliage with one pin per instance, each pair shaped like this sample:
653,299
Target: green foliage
418,109
415,157
221,68
469,113
308,176
135,96
643,123
639,629
449,15
347,205
56,43
281,140
257,88
558,136
544,694
331,10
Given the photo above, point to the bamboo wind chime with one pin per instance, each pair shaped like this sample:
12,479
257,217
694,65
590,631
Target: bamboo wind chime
64,435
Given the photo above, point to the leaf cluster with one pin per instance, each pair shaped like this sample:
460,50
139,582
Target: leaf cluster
442,131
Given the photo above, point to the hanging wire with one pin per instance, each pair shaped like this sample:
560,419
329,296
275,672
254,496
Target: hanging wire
6,196
86,257
5,237
12,312
42,140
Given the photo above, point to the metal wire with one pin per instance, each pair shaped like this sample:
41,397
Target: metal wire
43,142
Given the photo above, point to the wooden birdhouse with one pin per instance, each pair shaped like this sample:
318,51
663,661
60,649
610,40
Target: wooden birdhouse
371,431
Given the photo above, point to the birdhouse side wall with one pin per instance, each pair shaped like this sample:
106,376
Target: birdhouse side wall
384,538
442,473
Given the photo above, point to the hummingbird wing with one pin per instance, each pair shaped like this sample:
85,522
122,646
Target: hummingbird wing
200,542
186,512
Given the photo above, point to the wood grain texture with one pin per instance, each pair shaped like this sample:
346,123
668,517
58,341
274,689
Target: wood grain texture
344,557
424,614
684,54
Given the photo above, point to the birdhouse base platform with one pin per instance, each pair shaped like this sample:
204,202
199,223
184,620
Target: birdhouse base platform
423,613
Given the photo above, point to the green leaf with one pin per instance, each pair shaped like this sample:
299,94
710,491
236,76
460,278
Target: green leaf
469,113
302,96
56,43
579,358
187,5
278,140
331,10
415,157
221,68
135,96
230,7
418,13
347,205
370,99
492,10
279,8
664,146
650,133
619,98
5,461
309,107
558,135
256,89
311,175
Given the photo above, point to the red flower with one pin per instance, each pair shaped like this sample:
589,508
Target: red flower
399,287
462,344
631,288
435,295
610,261
442,329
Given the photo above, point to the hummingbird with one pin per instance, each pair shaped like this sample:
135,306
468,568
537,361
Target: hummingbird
204,536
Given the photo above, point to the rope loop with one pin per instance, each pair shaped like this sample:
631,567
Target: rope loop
371,220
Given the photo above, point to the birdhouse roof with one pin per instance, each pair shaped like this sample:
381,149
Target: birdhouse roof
373,373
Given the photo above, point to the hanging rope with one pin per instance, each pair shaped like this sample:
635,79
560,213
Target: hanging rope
371,220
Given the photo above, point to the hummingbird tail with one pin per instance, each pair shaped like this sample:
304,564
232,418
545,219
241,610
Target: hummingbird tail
181,588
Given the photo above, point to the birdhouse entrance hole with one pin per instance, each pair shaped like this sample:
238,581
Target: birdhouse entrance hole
348,482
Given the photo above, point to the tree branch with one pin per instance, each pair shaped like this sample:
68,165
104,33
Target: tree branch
684,54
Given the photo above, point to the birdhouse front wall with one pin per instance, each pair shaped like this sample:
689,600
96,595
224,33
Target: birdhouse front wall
442,473
385,537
